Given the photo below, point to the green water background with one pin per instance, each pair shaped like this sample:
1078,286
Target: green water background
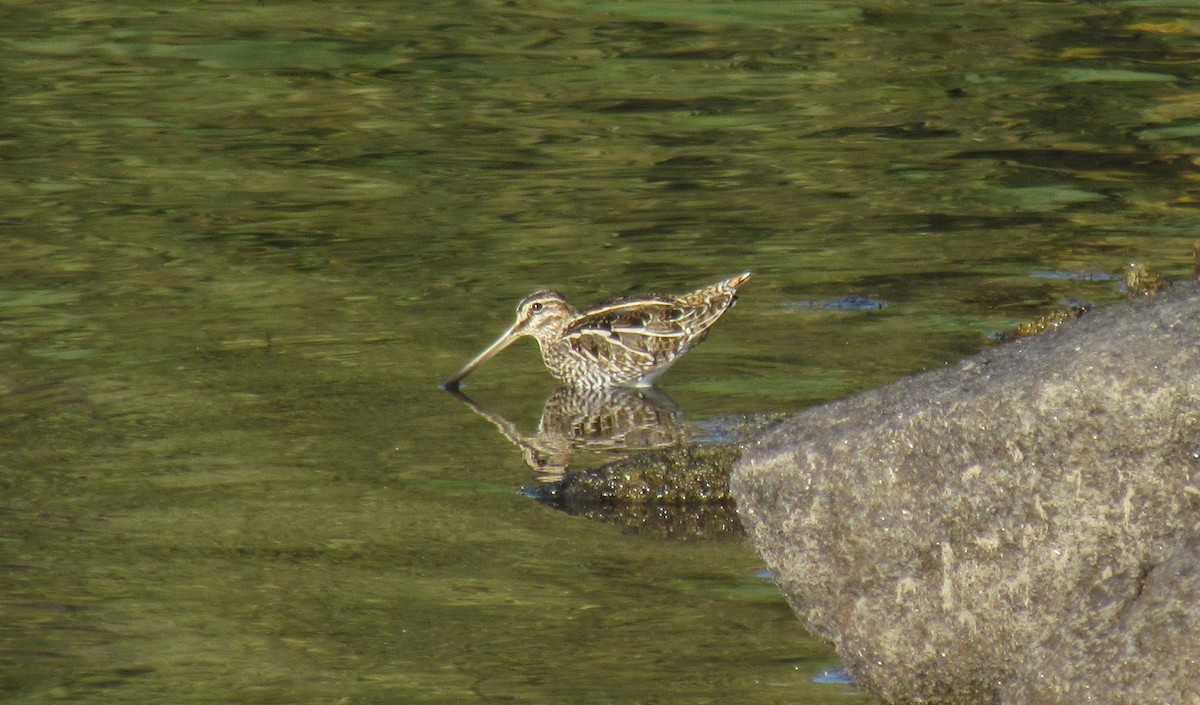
242,242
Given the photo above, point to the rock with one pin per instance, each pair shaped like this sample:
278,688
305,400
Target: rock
680,492
1139,650
1004,530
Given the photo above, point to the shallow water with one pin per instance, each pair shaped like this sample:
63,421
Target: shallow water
244,241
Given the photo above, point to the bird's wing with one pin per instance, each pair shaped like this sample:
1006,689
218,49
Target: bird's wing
642,328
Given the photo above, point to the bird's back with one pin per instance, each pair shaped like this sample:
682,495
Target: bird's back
631,341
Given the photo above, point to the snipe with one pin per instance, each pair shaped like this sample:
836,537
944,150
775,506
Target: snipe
627,342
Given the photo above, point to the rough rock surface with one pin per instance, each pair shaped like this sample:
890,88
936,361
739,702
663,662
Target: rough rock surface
1019,528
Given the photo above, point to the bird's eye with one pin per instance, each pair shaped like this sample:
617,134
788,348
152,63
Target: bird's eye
535,307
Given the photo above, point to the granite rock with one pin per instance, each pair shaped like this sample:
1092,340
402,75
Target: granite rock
1011,529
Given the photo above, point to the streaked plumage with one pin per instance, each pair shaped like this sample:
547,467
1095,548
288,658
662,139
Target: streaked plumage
627,342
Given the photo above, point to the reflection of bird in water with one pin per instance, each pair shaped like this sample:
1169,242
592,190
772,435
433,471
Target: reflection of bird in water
627,342
613,422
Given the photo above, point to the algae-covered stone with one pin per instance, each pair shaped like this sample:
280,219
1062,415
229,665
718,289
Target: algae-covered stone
679,493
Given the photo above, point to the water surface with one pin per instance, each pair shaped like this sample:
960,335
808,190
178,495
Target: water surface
244,241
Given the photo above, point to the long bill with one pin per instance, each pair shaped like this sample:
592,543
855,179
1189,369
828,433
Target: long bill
502,342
